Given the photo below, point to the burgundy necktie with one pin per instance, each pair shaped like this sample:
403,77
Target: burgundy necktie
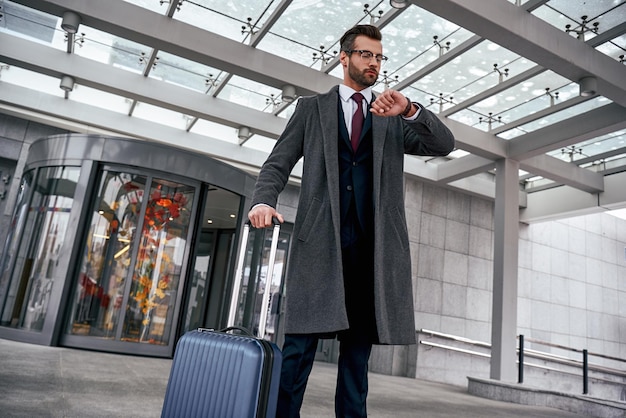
357,121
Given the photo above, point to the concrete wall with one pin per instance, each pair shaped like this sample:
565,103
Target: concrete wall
451,236
572,285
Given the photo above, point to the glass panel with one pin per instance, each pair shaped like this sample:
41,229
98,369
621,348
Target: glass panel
31,24
226,17
109,49
592,147
200,280
412,46
183,72
251,94
254,281
215,238
615,48
601,15
559,116
36,268
534,94
481,68
162,247
107,255
15,233
307,25
277,287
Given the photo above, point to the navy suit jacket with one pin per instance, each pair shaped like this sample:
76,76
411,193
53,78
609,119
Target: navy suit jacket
355,182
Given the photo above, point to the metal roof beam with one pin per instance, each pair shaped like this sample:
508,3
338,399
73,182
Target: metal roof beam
463,167
276,14
564,173
564,201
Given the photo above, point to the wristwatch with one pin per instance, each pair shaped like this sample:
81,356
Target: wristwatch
408,108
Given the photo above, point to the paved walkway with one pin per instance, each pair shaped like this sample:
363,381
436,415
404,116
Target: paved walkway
40,381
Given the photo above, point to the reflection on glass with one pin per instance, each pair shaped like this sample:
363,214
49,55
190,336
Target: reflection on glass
157,271
25,301
255,280
199,281
15,233
215,241
132,261
107,255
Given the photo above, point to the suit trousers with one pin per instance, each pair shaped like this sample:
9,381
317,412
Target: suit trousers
355,345
352,384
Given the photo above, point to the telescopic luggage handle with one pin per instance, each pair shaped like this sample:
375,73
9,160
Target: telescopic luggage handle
268,280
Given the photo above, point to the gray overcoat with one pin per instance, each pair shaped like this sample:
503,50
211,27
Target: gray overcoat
315,301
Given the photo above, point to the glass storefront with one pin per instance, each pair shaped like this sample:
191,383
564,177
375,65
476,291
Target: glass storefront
131,267
120,245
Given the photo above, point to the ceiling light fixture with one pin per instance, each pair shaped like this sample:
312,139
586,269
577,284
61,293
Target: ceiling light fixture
243,133
289,93
588,86
398,4
70,22
67,83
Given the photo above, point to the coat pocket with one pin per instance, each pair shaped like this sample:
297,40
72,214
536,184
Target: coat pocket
310,219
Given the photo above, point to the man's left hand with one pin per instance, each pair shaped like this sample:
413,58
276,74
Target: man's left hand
391,103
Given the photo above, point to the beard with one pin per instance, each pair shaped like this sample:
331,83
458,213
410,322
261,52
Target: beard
362,78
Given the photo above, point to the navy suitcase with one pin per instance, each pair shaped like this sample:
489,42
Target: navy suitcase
222,375
216,374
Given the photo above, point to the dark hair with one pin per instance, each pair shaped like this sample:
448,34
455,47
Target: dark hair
347,40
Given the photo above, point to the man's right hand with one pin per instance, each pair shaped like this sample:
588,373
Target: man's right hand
261,216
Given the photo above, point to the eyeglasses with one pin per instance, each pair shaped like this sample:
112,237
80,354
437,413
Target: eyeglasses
368,55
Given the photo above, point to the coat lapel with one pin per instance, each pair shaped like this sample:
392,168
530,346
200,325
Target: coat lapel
327,106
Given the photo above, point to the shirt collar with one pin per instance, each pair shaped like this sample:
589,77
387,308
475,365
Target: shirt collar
346,93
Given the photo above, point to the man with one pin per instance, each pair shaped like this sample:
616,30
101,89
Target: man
349,273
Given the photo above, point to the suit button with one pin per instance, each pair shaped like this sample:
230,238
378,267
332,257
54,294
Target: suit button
349,188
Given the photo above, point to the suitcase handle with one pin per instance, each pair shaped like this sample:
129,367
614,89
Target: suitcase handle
241,330
275,222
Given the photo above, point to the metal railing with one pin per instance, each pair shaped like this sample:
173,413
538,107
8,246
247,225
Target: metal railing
523,352
584,363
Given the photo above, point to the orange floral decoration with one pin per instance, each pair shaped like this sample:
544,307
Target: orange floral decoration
161,209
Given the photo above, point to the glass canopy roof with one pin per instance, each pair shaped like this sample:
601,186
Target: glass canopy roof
468,78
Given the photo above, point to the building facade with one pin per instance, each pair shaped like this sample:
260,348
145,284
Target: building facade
571,275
